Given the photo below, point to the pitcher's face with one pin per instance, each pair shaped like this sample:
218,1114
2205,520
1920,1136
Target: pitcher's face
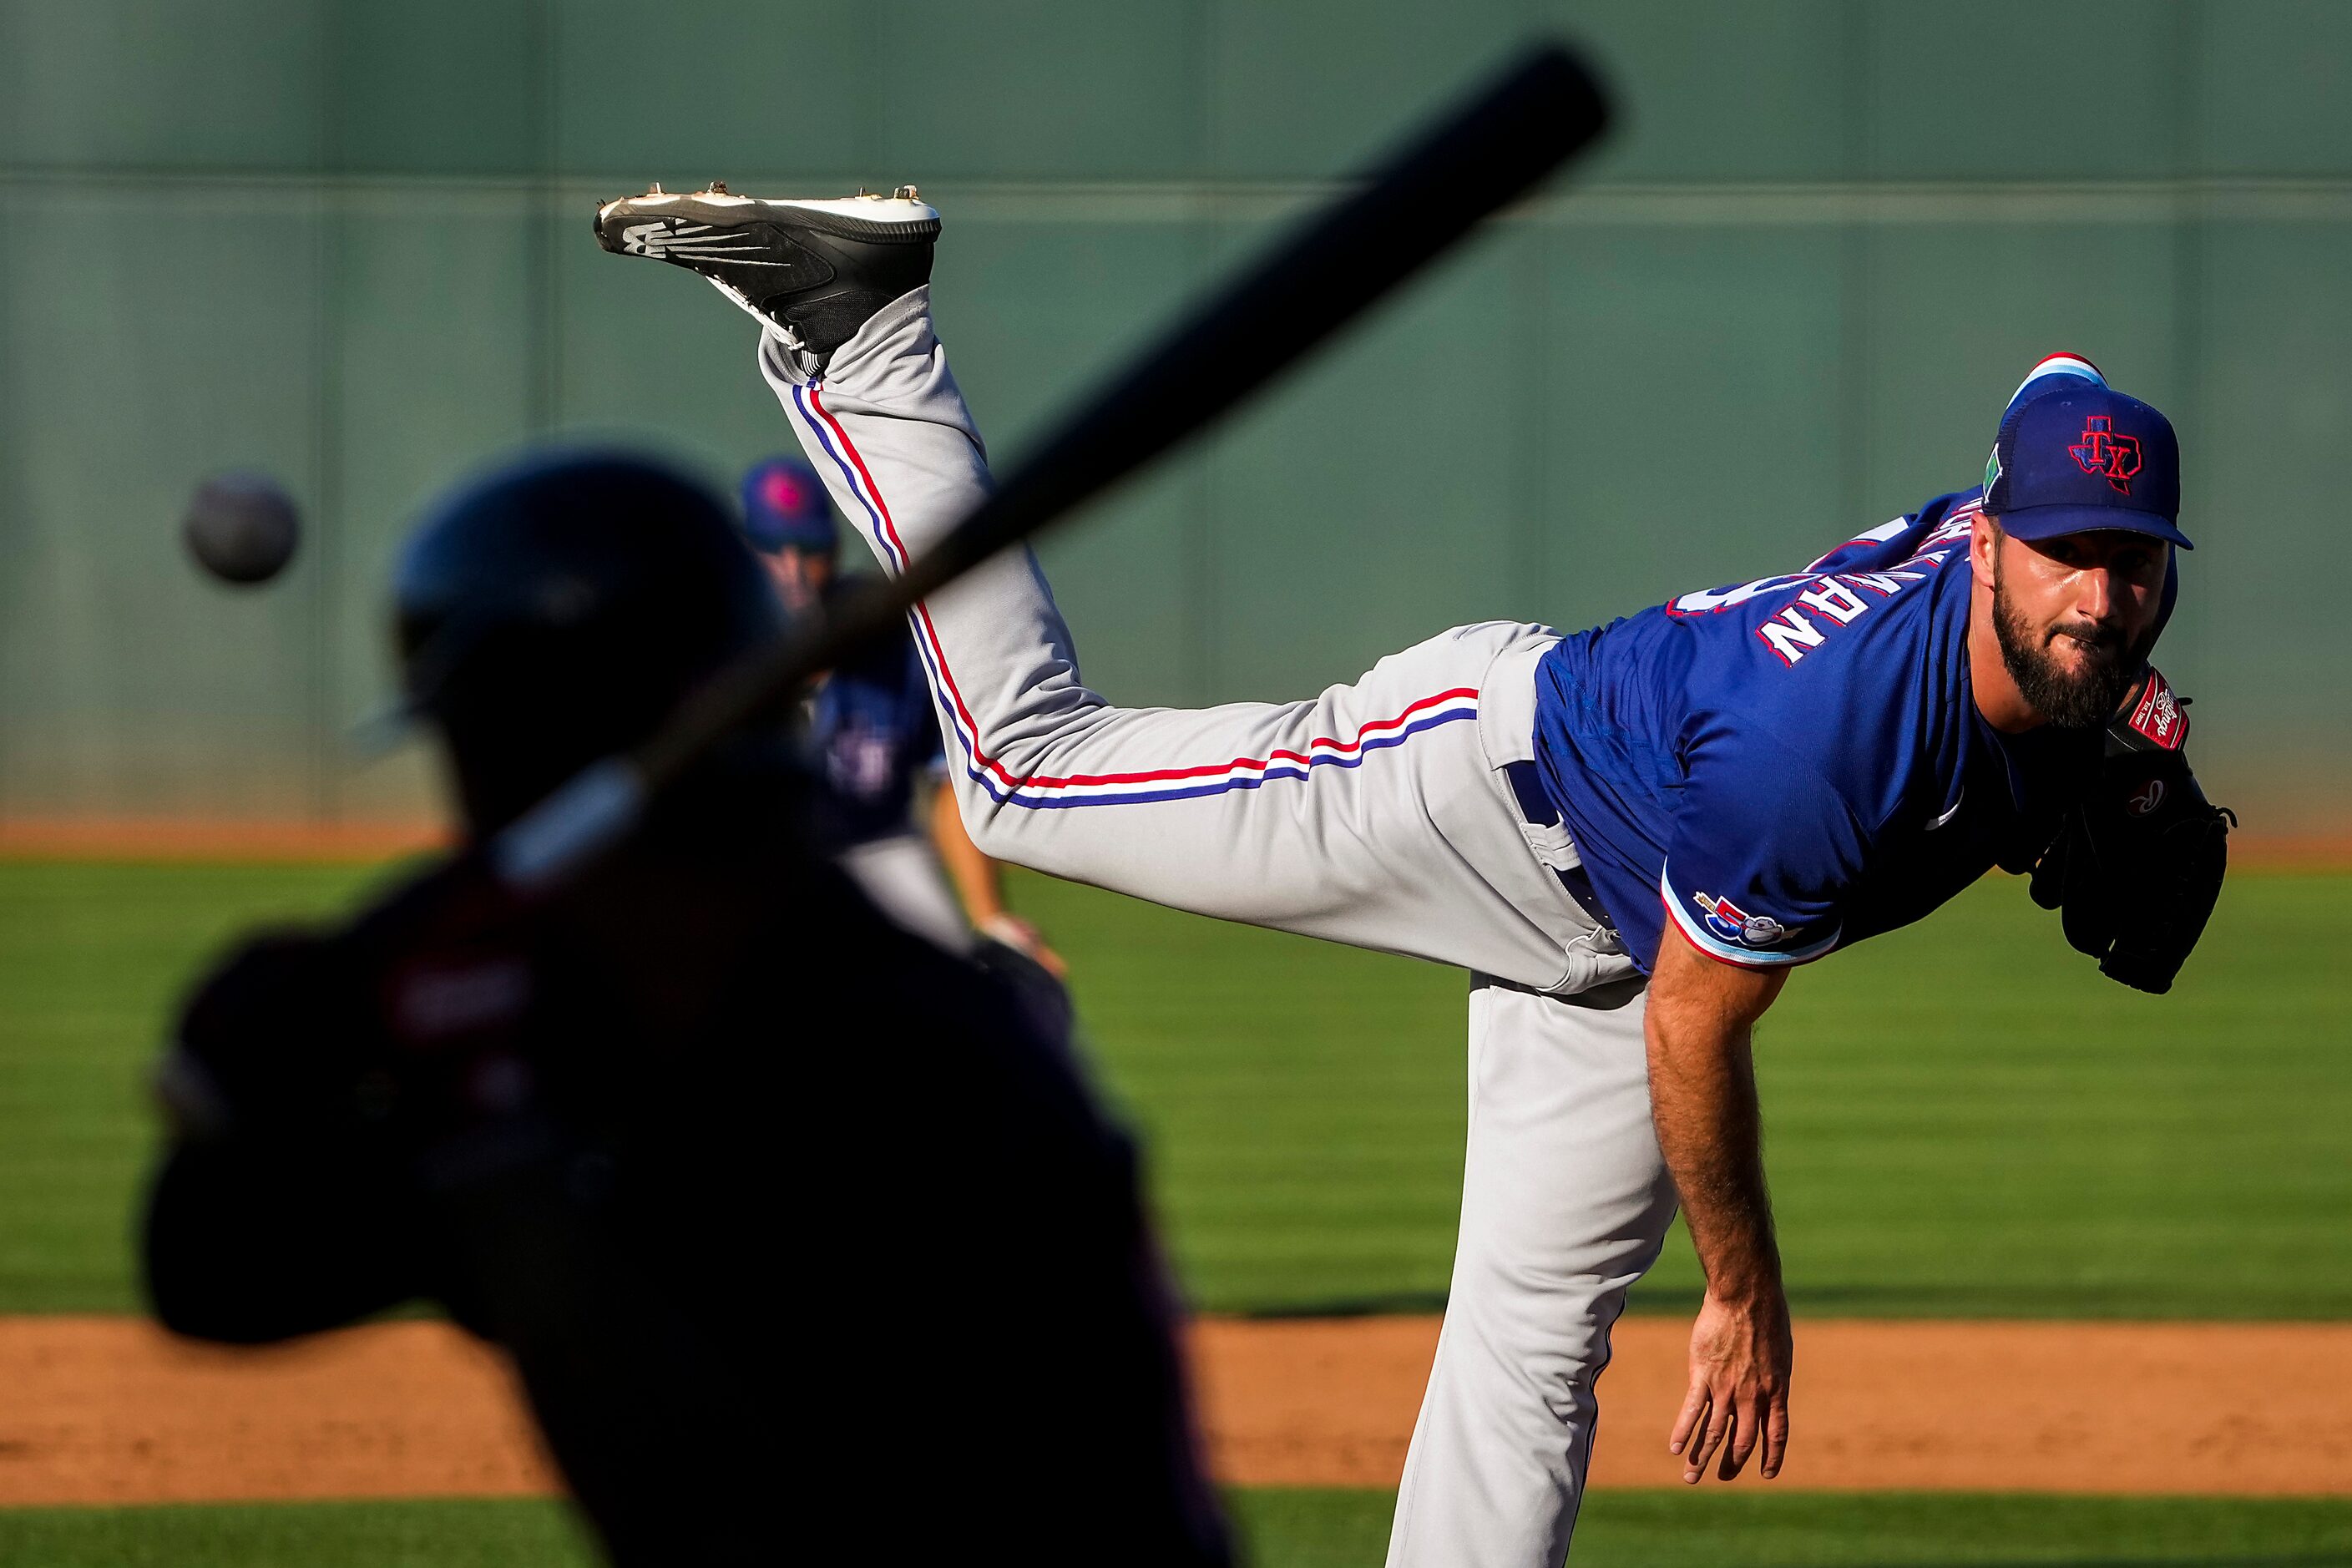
2076,616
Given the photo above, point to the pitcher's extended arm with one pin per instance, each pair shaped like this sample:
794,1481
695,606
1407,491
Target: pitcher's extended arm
1703,1098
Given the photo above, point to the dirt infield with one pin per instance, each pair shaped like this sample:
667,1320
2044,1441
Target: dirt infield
100,1410
111,1410
2250,1409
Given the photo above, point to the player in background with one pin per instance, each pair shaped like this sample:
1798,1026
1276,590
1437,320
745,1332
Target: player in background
1628,835
875,744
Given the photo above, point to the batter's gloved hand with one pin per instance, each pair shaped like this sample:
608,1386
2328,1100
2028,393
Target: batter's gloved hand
250,1054
2138,862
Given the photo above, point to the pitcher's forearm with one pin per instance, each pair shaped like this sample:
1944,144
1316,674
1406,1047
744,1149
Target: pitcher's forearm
1703,1100
1703,1096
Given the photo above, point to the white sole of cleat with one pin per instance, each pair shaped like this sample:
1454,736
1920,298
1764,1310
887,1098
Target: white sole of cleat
881,213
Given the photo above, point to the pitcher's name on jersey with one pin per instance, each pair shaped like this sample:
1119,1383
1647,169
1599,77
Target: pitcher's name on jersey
1828,600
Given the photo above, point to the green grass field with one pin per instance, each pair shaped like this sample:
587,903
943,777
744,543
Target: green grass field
1964,1118
1301,1529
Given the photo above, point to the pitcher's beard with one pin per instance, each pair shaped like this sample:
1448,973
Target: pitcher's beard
2083,699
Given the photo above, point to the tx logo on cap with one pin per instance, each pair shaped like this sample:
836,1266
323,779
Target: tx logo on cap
2103,451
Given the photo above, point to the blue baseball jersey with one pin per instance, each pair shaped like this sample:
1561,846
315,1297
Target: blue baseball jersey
1787,766
873,733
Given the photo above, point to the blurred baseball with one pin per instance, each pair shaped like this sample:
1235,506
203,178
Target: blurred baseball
242,527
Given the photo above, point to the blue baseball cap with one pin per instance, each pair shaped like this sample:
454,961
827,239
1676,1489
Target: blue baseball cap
785,508
2074,454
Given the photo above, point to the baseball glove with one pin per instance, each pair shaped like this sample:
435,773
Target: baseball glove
2139,861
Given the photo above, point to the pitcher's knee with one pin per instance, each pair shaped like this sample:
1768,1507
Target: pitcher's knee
1551,1343
989,825
1001,829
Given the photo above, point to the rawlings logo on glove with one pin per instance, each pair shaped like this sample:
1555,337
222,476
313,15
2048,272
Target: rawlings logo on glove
2157,717
2139,863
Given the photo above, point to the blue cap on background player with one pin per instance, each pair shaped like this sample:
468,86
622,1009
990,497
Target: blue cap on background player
785,508
2073,455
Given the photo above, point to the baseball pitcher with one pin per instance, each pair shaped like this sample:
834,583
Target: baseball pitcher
1629,836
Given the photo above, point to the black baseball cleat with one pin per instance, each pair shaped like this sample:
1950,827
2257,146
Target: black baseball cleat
816,271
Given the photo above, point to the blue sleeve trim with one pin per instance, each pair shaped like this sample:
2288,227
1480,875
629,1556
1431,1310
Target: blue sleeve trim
1714,946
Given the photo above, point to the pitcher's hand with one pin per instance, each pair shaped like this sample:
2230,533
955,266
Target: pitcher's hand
1740,1356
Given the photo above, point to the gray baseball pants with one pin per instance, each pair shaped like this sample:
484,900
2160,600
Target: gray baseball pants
1377,814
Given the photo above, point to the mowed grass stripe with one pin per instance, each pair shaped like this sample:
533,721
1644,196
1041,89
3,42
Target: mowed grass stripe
1964,1118
1758,1528
429,1534
1304,1529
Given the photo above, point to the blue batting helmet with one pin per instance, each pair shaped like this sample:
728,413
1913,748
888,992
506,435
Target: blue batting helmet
785,508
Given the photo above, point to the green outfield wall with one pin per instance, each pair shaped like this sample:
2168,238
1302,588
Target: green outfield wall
349,243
